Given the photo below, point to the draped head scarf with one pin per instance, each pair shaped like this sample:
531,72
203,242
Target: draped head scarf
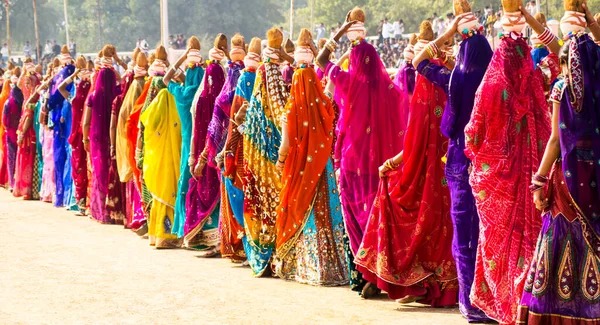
216,54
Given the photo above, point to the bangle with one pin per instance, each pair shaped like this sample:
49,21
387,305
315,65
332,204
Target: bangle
389,164
546,37
86,140
331,45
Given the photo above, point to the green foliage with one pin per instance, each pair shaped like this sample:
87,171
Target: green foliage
124,21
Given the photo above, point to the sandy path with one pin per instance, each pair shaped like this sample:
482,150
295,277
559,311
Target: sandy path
56,268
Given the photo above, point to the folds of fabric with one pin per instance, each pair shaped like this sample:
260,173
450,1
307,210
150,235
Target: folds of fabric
60,112
203,197
184,99
310,132
370,130
262,137
162,152
132,129
232,234
3,147
405,79
406,249
100,103
125,154
116,200
48,185
10,120
562,282
505,140
78,154
26,152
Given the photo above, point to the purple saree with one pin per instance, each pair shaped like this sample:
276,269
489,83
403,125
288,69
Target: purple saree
204,192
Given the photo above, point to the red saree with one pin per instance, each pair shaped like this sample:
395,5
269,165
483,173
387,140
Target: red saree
505,140
407,245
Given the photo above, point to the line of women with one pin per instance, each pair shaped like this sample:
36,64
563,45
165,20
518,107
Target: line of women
427,187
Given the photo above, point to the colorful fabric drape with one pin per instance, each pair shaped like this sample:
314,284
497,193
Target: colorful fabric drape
48,185
203,197
26,153
100,101
405,80
162,152
78,154
10,121
309,222
563,280
125,157
184,97
505,140
370,130
262,137
3,148
232,234
60,114
460,85
406,249
155,86
116,200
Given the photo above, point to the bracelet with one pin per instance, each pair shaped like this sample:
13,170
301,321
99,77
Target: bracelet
86,140
535,188
331,45
546,37
432,50
594,22
389,164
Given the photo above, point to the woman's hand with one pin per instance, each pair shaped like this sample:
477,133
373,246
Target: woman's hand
199,167
86,145
540,200
240,116
383,170
20,140
344,29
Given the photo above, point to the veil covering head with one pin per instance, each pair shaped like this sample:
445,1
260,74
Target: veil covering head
252,59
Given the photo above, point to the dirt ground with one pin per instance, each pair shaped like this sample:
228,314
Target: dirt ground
56,268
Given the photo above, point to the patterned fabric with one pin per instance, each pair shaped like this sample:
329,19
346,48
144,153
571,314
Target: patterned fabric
460,85
162,145
79,155
370,130
100,104
261,181
48,186
203,197
407,246
184,99
232,234
317,256
505,140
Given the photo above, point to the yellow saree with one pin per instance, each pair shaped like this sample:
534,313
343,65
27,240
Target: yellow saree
124,148
162,146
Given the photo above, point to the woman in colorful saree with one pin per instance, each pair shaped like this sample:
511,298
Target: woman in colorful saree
162,152
81,79
59,109
157,71
460,85
219,124
370,128
125,149
184,96
202,201
47,138
26,180
287,71
505,139
407,245
562,282
10,120
405,78
116,200
96,129
262,137
310,227
233,238
6,87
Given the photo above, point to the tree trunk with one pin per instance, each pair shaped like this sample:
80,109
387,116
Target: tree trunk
37,33
99,15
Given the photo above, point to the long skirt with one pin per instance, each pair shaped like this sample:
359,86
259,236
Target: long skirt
563,282
318,256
